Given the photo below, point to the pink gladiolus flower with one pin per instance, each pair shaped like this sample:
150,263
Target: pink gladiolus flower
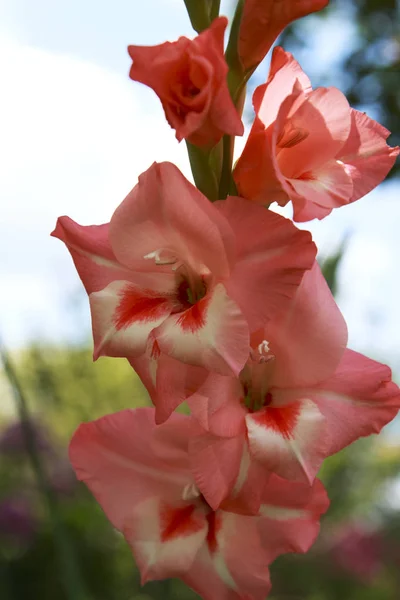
140,474
189,276
262,22
190,78
309,146
298,400
358,551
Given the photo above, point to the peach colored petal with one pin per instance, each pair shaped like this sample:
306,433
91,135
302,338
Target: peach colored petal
366,154
189,76
213,333
123,316
272,257
165,212
262,22
309,339
285,72
288,440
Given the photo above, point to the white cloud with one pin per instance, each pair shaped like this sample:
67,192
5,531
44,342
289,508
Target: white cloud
74,138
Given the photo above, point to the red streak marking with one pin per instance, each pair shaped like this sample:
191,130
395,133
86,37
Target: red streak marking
178,522
193,318
141,307
282,420
214,526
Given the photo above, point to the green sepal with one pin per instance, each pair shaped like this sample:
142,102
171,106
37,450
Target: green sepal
202,13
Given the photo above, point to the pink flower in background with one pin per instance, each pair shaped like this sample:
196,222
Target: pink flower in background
13,440
18,521
189,76
309,146
358,551
262,22
140,474
186,275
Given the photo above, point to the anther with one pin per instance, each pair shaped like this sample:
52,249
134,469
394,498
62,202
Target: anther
190,491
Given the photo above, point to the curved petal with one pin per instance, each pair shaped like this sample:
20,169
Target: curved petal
209,582
217,405
111,456
289,439
231,566
366,154
290,514
215,464
189,76
284,73
123,316
168,381
164,538
165,213
328,187
238,540
176,383
246,494
309,339
304,210
213,334
263,20
272,256
358,400
91,252
324,117
255,171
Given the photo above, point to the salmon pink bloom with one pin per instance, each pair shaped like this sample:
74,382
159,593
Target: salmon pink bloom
193,277
298,400
190,78
262,22
309,146
140,475
358,551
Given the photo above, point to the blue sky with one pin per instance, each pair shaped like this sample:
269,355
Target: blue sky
75,134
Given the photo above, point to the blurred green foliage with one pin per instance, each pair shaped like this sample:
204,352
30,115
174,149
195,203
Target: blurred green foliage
67,379
65,388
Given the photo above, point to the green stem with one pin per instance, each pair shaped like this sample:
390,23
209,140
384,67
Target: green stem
231,54
198,14
237,89
214,11
71,580
226,174
205,169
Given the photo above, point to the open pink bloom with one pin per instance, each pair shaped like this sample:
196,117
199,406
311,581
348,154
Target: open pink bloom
140,474
255,414
190,78
262,22
299,399
309,146
191,275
